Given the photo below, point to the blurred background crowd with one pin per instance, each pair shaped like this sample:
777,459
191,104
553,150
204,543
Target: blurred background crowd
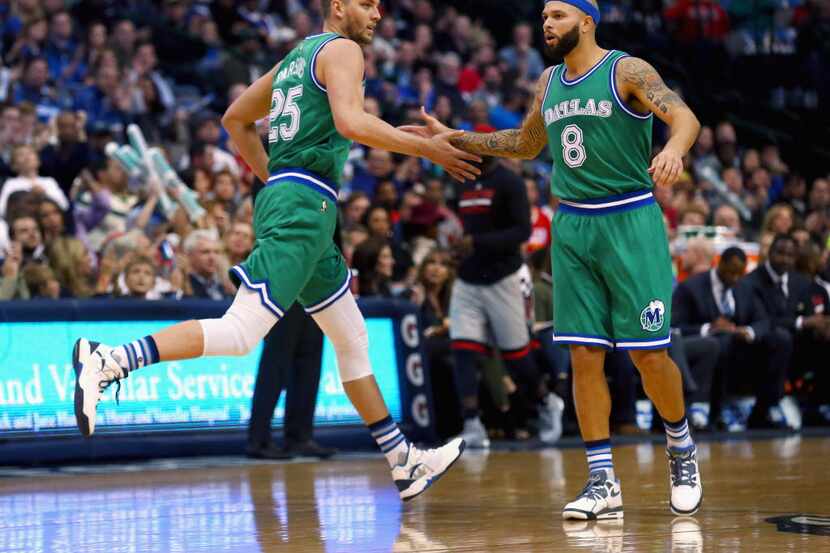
74,224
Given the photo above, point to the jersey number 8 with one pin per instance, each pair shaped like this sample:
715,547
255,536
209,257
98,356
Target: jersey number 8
573,151
283,105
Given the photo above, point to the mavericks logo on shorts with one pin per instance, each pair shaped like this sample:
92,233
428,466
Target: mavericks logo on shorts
652,317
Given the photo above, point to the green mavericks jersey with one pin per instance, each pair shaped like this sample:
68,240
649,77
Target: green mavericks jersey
301,130
600,146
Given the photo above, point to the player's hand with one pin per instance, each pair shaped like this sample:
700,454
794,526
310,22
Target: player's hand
440,151
430,128
666,167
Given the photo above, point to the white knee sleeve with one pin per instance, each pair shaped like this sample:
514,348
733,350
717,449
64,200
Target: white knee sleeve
241,328
343,324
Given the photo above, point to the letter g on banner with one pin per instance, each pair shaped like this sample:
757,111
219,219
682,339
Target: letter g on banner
409,330
420,410
415,369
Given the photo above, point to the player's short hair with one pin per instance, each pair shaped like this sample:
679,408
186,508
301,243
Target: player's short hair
733,253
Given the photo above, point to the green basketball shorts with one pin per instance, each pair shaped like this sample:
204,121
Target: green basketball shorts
612,274
294,256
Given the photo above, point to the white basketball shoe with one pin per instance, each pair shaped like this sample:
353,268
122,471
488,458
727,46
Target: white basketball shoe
423,467
600,499
95,371
684,478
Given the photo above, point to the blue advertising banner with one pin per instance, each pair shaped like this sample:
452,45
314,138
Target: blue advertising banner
37,380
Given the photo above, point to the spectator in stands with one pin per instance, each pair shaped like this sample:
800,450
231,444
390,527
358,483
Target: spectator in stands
225,191
819,199
124,39
62,51
41,282
202,250
102,202
68,257
784,294
354,208
697,258
379,166
107,102
152,94
239,242
139,277
435,280
794,194
96,42
26,163
374,263
446,83
727,145
694,216
10,137
728,217
780,219
522,53
65,160
715,304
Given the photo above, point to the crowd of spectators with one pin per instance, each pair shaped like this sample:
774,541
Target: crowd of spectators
75,224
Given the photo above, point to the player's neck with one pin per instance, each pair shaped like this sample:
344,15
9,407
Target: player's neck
332,27
583,58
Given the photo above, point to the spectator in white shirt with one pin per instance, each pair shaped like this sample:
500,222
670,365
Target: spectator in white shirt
27,165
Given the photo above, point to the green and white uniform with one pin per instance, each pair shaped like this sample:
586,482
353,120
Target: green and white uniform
294,256
610,252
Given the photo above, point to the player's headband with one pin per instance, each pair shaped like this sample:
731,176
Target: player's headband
583,5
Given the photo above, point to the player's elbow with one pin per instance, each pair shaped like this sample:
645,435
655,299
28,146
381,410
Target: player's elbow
228,119
347,128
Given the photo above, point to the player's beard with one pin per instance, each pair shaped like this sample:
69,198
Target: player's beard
358,33
564,45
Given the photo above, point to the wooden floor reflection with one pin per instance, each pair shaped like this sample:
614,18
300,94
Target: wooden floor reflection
501,502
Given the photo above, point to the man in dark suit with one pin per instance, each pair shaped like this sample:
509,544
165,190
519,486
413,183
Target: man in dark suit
715,304
785,294
787,298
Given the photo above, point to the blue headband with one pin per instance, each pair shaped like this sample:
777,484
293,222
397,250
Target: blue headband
583,5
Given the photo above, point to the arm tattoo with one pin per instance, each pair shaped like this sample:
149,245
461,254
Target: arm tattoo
651,90
524,143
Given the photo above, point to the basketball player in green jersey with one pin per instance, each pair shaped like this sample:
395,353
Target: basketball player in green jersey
314,103
611,264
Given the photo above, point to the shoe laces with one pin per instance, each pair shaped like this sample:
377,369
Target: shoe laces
108,375
683,470
595,488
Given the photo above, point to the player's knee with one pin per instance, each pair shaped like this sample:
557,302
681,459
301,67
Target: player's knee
353,355
649,361
243,337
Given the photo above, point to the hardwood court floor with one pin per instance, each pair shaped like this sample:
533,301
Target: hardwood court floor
500,502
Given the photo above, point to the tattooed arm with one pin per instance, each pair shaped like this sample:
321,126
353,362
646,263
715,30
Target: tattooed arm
642,87
524,143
